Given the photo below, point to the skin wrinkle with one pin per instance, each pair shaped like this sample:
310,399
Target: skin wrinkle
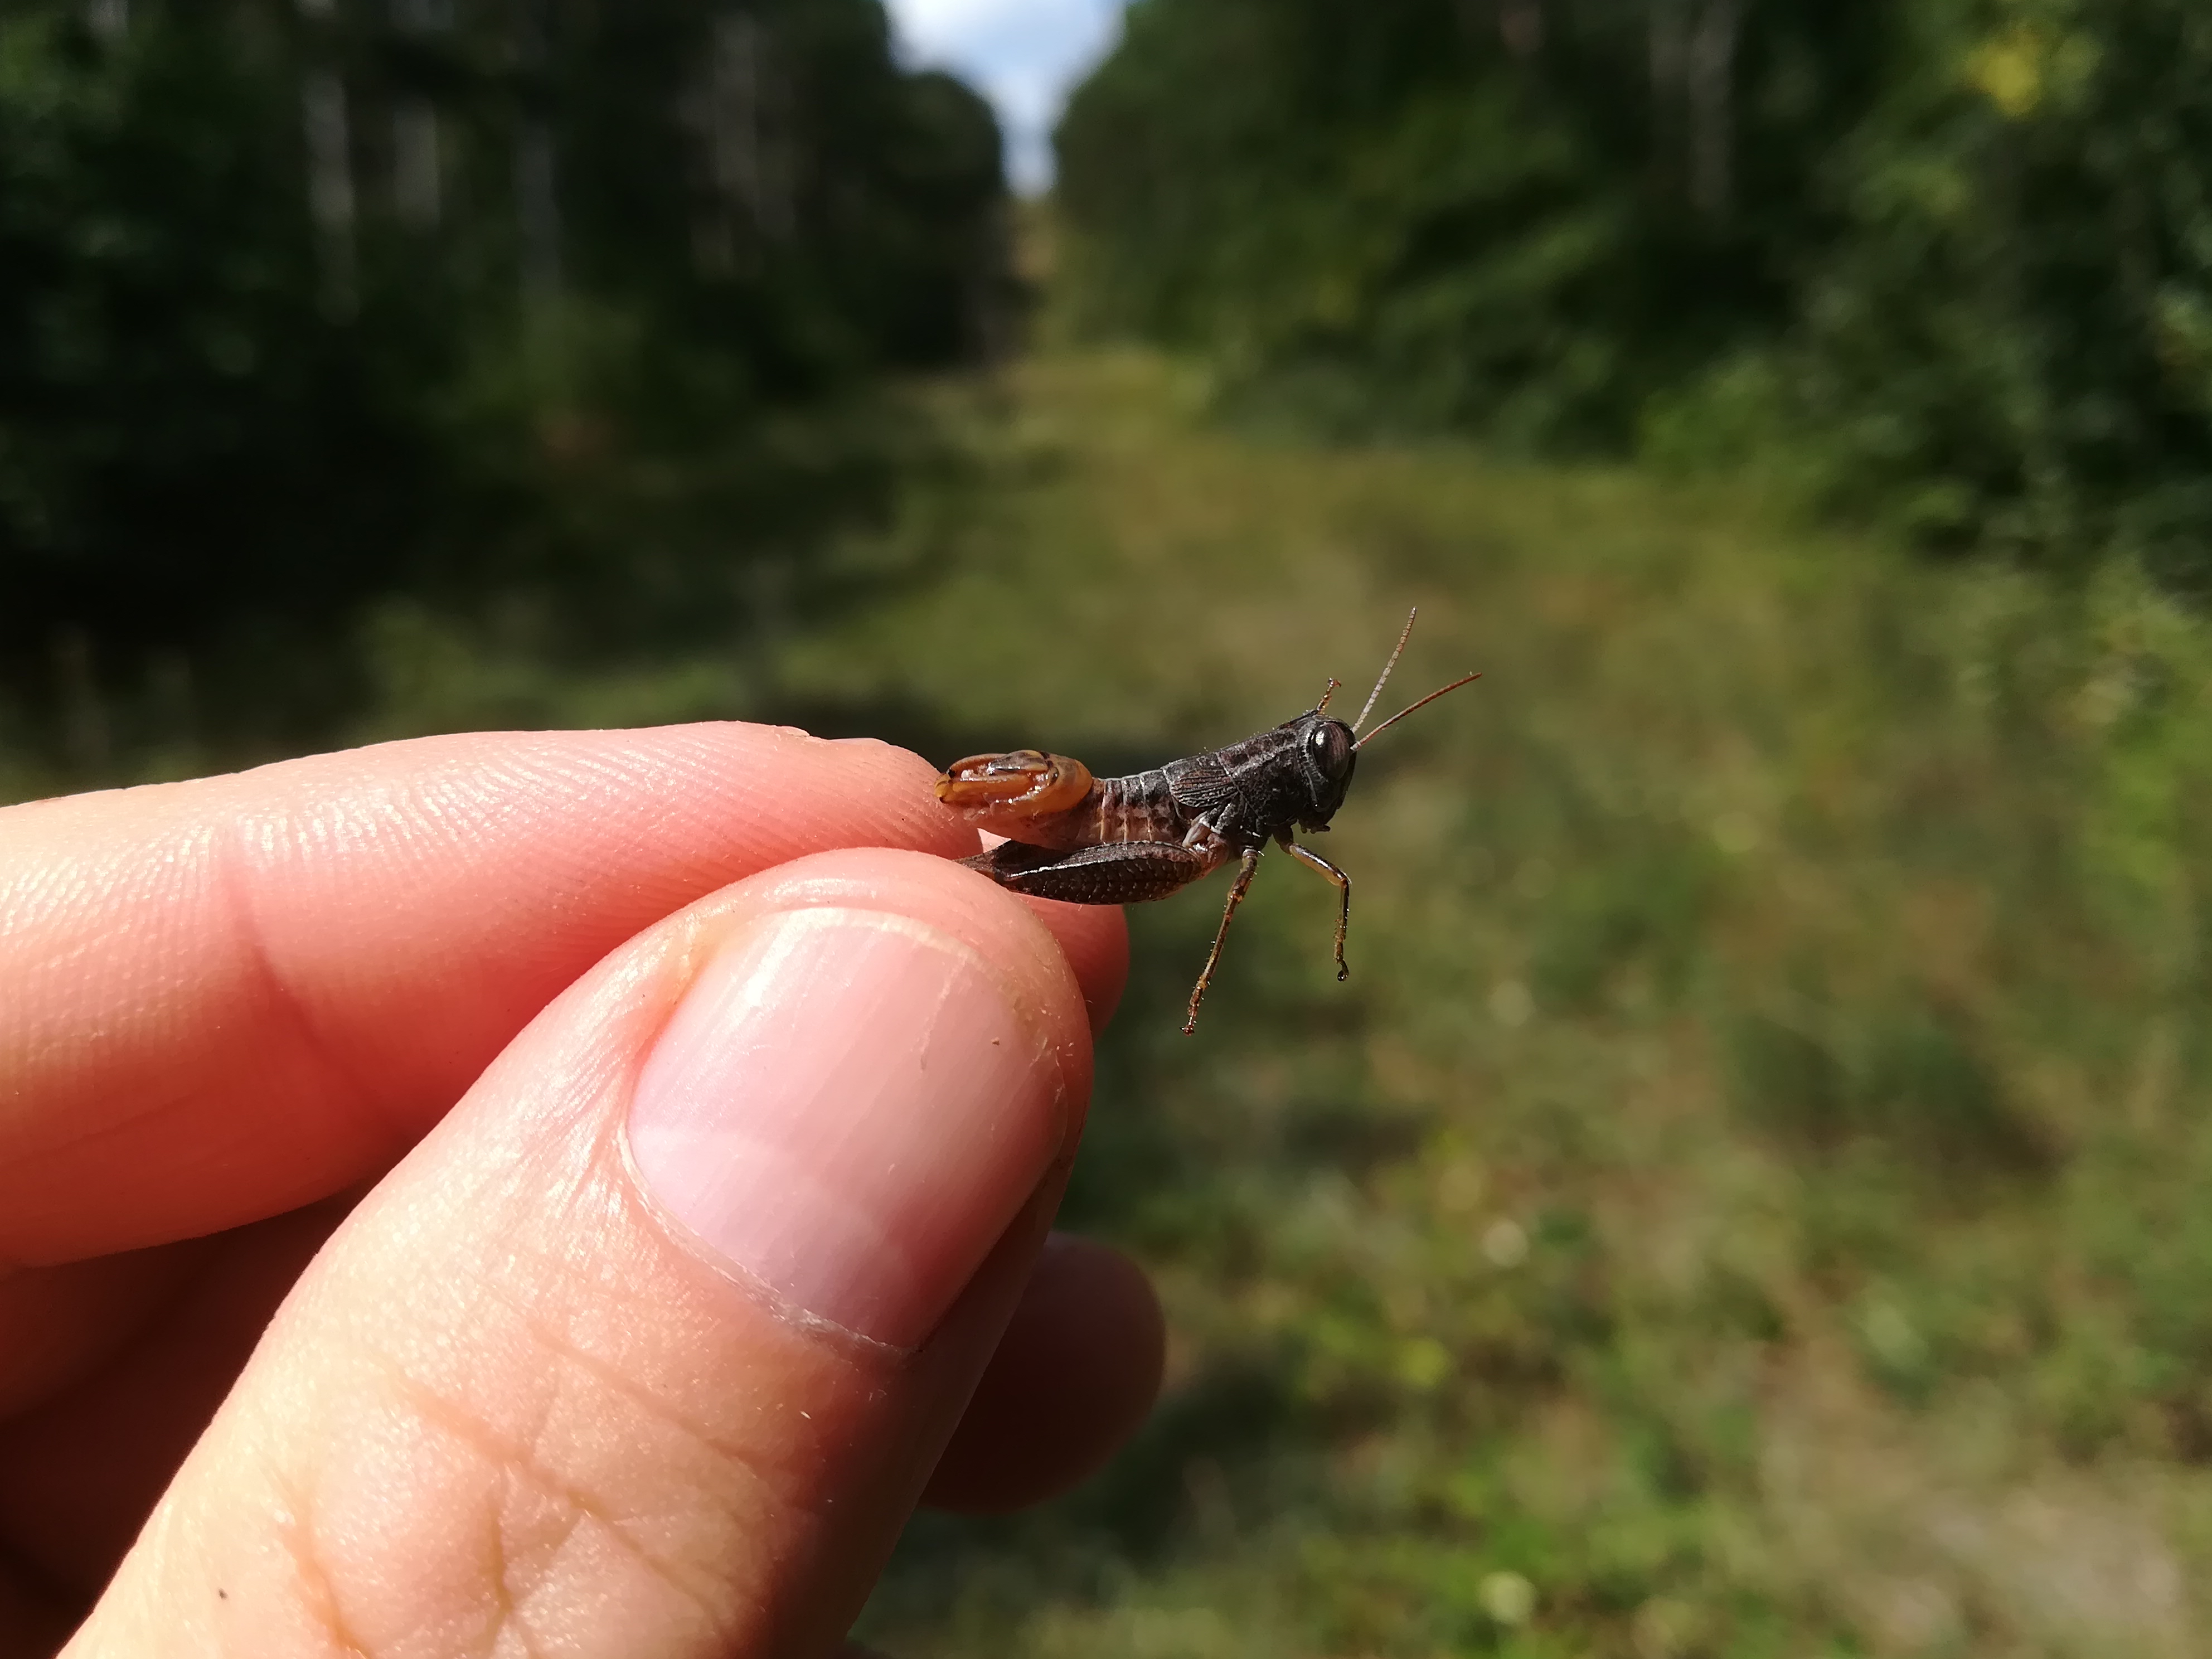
69,888
650,1408
429,1407
595,1070
654,1409
76,1136
430,822
508,1615
120,1128
520,1463
735,1455
235,874
296,1536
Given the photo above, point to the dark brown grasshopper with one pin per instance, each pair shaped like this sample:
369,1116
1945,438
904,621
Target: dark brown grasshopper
1120,841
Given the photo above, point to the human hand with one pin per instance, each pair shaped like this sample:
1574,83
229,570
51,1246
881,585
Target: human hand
646,1348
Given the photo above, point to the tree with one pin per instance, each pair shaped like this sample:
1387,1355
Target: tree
302,307
1521,215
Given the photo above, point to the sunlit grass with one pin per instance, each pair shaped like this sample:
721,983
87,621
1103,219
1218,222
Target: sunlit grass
1752,1195
1746,1199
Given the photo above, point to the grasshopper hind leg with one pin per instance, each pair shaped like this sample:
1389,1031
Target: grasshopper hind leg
1118,872
1126,872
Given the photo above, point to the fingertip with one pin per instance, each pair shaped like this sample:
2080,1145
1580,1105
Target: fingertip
683,1252
723,1238
1044,972
1095,938
891,754
1075,1375
282,977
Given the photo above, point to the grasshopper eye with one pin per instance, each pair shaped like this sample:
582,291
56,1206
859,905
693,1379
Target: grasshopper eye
1329,747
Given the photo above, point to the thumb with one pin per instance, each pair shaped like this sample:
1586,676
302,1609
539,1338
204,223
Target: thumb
648,1349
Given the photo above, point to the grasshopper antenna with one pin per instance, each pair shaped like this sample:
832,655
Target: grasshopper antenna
1397,652
1463,680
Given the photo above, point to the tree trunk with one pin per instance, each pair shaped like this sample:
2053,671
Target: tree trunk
330,182
417,169
536,185
1711,85
1521,27
1670,56
537,207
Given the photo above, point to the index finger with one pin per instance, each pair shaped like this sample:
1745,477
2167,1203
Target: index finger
222,998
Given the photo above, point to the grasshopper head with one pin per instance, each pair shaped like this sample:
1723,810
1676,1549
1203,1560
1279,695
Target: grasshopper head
1325,763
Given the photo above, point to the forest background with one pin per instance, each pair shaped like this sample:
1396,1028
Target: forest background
1750,1197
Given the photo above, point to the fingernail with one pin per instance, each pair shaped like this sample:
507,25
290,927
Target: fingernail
847,1107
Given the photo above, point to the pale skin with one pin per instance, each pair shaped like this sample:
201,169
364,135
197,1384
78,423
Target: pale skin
353,1041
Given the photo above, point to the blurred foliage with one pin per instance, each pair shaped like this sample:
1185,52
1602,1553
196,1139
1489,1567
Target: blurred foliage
540,320
2008,343
1747,1199
1488,213
1942,263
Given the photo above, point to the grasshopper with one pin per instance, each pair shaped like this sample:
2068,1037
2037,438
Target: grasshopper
1122,841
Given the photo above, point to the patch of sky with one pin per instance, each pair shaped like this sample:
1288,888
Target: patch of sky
1023,55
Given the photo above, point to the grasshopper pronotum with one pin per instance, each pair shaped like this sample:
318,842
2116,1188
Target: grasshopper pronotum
1120,841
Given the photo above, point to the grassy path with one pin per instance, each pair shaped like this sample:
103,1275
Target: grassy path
1752,1196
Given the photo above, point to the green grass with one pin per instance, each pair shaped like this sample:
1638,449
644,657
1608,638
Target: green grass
1754,1195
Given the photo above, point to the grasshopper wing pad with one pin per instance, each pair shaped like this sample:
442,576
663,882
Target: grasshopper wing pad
1201,784
1121,873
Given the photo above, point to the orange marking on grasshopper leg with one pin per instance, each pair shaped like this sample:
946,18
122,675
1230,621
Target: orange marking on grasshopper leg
1005,793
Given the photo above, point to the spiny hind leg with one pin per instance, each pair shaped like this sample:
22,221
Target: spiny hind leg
1244,874
1314,860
